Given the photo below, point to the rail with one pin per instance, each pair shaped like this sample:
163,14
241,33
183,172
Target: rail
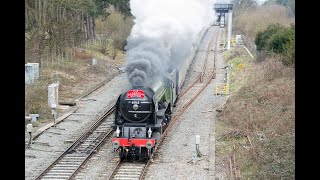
72,159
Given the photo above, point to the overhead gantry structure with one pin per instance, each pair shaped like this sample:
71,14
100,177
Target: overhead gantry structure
221,10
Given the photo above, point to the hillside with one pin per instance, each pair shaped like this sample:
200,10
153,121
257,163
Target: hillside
256,126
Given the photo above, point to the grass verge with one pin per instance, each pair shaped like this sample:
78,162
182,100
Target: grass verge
257,122
75,77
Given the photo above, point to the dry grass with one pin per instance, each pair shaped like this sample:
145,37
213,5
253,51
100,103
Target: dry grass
75,77
262,109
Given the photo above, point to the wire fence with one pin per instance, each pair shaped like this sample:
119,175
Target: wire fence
249,43
53,58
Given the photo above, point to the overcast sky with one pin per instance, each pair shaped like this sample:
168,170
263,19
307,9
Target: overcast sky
228,1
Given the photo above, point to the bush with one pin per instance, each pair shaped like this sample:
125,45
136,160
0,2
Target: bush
279,40
263,37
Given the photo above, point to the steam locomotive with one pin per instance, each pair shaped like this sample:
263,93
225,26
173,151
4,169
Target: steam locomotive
143,113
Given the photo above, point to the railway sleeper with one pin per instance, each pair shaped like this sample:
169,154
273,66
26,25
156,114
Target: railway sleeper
65,168
55,177
58,174
134,173
67,162
74,157
131,170
61,171
126,175
71,160
131,166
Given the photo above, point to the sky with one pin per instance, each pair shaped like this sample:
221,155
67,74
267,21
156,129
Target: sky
228,1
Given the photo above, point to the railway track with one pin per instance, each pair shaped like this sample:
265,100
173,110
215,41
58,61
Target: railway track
70,161
137,170
202,73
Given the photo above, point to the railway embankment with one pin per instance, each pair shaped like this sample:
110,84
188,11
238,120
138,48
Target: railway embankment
255,128
55,140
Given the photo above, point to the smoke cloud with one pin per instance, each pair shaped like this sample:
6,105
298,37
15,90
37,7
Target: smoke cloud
164,34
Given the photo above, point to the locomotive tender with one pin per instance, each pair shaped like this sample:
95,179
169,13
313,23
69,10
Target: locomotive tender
143,113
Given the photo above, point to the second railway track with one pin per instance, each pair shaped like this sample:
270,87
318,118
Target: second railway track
70,161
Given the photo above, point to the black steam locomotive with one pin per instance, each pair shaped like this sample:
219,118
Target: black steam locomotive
141,115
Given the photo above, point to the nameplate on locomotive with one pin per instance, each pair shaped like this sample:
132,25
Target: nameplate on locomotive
135,93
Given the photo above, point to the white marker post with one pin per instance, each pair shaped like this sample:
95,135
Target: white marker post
53,90
31,72
94,62
194,157
29,130
198,145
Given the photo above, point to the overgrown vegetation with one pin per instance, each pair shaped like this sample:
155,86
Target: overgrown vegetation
258,120
263,110
278,39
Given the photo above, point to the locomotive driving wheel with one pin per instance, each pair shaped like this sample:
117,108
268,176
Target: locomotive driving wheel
150,153
123,153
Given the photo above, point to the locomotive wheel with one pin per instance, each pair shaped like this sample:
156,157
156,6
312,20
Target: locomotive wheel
150,154
121,154
140,153
168,118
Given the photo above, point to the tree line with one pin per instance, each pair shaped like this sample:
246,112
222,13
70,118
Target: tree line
52,26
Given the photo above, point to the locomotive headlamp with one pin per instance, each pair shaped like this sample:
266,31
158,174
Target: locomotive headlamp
149,132
149,145
118,131
135,107
116,144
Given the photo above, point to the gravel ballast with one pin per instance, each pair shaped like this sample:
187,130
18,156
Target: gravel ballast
90,108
